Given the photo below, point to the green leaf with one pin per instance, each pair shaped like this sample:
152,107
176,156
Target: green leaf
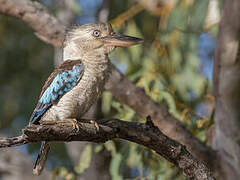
110,146
114,167
178,18
98,148
198,14
85,159
134,157
63,173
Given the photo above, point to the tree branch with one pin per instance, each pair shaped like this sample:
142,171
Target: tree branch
51,31
144,134
226,78
46,26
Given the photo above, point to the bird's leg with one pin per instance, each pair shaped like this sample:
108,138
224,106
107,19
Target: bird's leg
91,121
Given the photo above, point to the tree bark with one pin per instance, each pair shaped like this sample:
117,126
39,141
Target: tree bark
227,91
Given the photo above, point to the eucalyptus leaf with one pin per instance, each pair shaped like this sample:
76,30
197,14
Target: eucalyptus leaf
114,167
85,159
198,14
178,18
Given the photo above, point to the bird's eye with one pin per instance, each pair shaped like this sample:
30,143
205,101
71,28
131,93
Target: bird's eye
96,33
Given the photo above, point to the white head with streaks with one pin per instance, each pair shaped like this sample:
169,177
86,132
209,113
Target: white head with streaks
93,40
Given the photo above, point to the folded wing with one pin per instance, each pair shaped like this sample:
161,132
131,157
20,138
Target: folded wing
61,81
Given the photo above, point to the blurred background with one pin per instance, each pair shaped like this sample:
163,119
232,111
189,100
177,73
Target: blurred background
174,66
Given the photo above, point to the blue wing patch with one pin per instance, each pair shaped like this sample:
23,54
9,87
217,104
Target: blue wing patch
63,81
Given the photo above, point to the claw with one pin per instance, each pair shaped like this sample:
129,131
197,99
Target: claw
95,124
74,123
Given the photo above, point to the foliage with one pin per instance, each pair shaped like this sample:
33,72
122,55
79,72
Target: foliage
85,159
168,68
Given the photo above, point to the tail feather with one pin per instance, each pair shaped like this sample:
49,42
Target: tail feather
41,159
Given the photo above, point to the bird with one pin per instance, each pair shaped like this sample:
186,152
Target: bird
74,86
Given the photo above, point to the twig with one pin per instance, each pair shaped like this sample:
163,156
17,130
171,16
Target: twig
15,141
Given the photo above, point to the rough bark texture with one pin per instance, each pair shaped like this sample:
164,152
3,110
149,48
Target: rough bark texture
227,91
143,134
51,31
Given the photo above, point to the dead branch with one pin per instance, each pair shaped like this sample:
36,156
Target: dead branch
145,134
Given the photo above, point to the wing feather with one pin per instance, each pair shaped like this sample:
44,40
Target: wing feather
61,81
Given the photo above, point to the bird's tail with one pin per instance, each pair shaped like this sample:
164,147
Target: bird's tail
41,159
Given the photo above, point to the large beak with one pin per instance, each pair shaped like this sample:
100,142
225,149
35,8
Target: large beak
120,40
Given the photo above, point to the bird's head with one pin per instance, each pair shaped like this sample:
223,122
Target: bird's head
94,39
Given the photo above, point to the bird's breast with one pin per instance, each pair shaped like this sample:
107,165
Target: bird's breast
81,97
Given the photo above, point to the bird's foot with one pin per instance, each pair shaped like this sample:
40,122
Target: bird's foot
73,122
95,124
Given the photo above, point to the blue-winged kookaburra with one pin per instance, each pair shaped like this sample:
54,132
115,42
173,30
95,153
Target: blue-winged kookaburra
77,83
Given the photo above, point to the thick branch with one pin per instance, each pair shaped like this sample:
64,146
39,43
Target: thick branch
50,31
226,90
46,26
144,134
